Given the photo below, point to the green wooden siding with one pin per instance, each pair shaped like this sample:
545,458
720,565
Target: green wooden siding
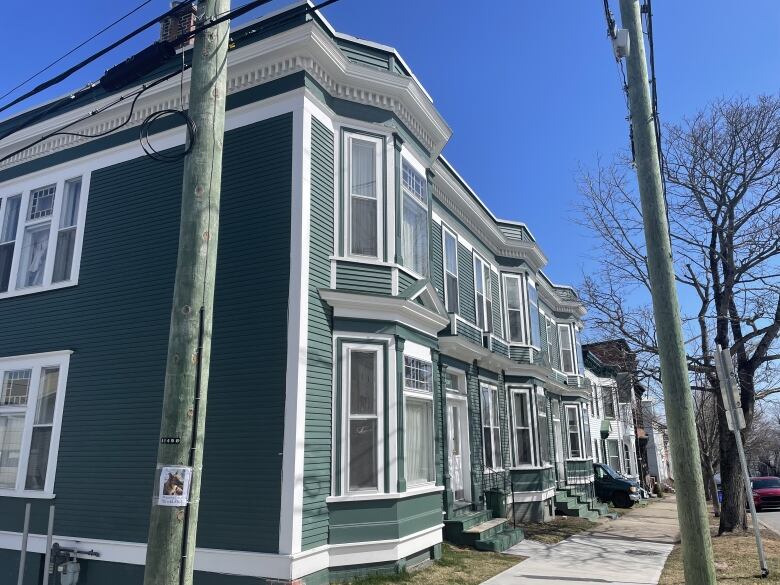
405,281
319,365
437,261
116,322
367,278
498,322
466,283
533,480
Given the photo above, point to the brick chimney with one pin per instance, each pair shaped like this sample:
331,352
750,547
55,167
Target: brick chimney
178,23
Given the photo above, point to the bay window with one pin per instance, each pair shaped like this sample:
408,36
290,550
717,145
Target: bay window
31,401
491,427
364,212
451,299
573,431
40,230
544,429
533,313
363,430
521,421
414,228
551,334
515,312
567,349
484,295
418,417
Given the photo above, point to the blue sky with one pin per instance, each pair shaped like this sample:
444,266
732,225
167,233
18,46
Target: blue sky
530,89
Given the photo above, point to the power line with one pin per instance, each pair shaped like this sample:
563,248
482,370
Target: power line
76,48
65,74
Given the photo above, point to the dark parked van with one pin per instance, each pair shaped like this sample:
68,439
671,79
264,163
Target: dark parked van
613,487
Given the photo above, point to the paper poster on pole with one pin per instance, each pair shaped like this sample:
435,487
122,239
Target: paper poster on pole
173,488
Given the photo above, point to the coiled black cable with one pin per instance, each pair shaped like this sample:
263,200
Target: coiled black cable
145,131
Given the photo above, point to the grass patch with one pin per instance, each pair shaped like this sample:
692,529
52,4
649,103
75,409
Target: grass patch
457,566
736,559
554,531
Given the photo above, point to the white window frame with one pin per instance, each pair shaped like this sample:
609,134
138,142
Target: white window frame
530,410
378,142
542,413
520,278
420,170
551,327
619,456
426,396
567,328
610,391
37,362
24,186
346,416
445,231
461,377
578,419
491,404
487,294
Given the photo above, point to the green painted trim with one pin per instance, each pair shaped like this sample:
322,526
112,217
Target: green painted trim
401,447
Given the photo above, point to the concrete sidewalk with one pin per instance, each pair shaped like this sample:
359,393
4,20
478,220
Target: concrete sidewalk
631,550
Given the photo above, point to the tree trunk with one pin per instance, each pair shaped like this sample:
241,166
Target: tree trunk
711,485
732,510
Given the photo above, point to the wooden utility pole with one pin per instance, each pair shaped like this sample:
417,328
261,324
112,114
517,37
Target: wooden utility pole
174,521
691,508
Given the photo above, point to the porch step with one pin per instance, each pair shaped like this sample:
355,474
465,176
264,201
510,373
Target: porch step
484,531
455,527
501,541
461,509
572,506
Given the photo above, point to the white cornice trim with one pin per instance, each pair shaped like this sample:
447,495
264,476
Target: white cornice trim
304,48
393,309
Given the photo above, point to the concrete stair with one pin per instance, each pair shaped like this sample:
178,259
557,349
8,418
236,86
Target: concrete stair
569,503
480,530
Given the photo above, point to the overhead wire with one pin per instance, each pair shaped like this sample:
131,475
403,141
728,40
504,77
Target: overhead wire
76,48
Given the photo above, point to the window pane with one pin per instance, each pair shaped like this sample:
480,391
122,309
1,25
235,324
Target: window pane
10,219
41,202
47,396
417,374
497,459
70,207
488,438
363,473
533,310
418,434
515,325
451,253
33,258
523,437
415,235
363,172
479,282
521,413
10,444
16,387
494,410
480,311
414,183
513,293
362,387
574,432
453,382
485,406
6,257
544,437
63,258
363,227
39,458
452,293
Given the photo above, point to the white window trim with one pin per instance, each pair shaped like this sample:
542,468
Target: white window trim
524,338
530,410
567,327
492,388
578,417
462,389
539,413
380,194
24,186
415,164
487,290
444,232
346,350
36,362
421,396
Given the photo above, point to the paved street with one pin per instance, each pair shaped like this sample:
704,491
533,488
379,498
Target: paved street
771,519
628,551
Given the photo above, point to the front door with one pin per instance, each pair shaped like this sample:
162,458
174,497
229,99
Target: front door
460,472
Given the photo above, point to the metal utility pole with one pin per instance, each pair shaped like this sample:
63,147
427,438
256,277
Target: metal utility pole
691,508
174,515
729,389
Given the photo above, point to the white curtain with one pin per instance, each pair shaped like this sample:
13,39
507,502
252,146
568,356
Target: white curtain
415,236
364,198
33,260
10,444
419,442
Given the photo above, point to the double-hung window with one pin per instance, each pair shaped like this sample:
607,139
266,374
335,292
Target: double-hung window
573,431
544,429
363,177
627,458
533,314
414,229
550,339
418,416
31,398
608,396
483,292
567,348
40,229
491,427
521,420
587,452
515,311
451,298
363,430
613,454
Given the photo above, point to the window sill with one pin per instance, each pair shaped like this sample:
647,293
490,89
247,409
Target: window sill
37,289
493,470
415,491
28,495
529,468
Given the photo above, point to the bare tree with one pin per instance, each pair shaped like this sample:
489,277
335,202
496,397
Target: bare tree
723,176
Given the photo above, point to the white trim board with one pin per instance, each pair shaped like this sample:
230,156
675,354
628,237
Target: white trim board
534,496
245,563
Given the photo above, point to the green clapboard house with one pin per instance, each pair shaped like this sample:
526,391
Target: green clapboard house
390,368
